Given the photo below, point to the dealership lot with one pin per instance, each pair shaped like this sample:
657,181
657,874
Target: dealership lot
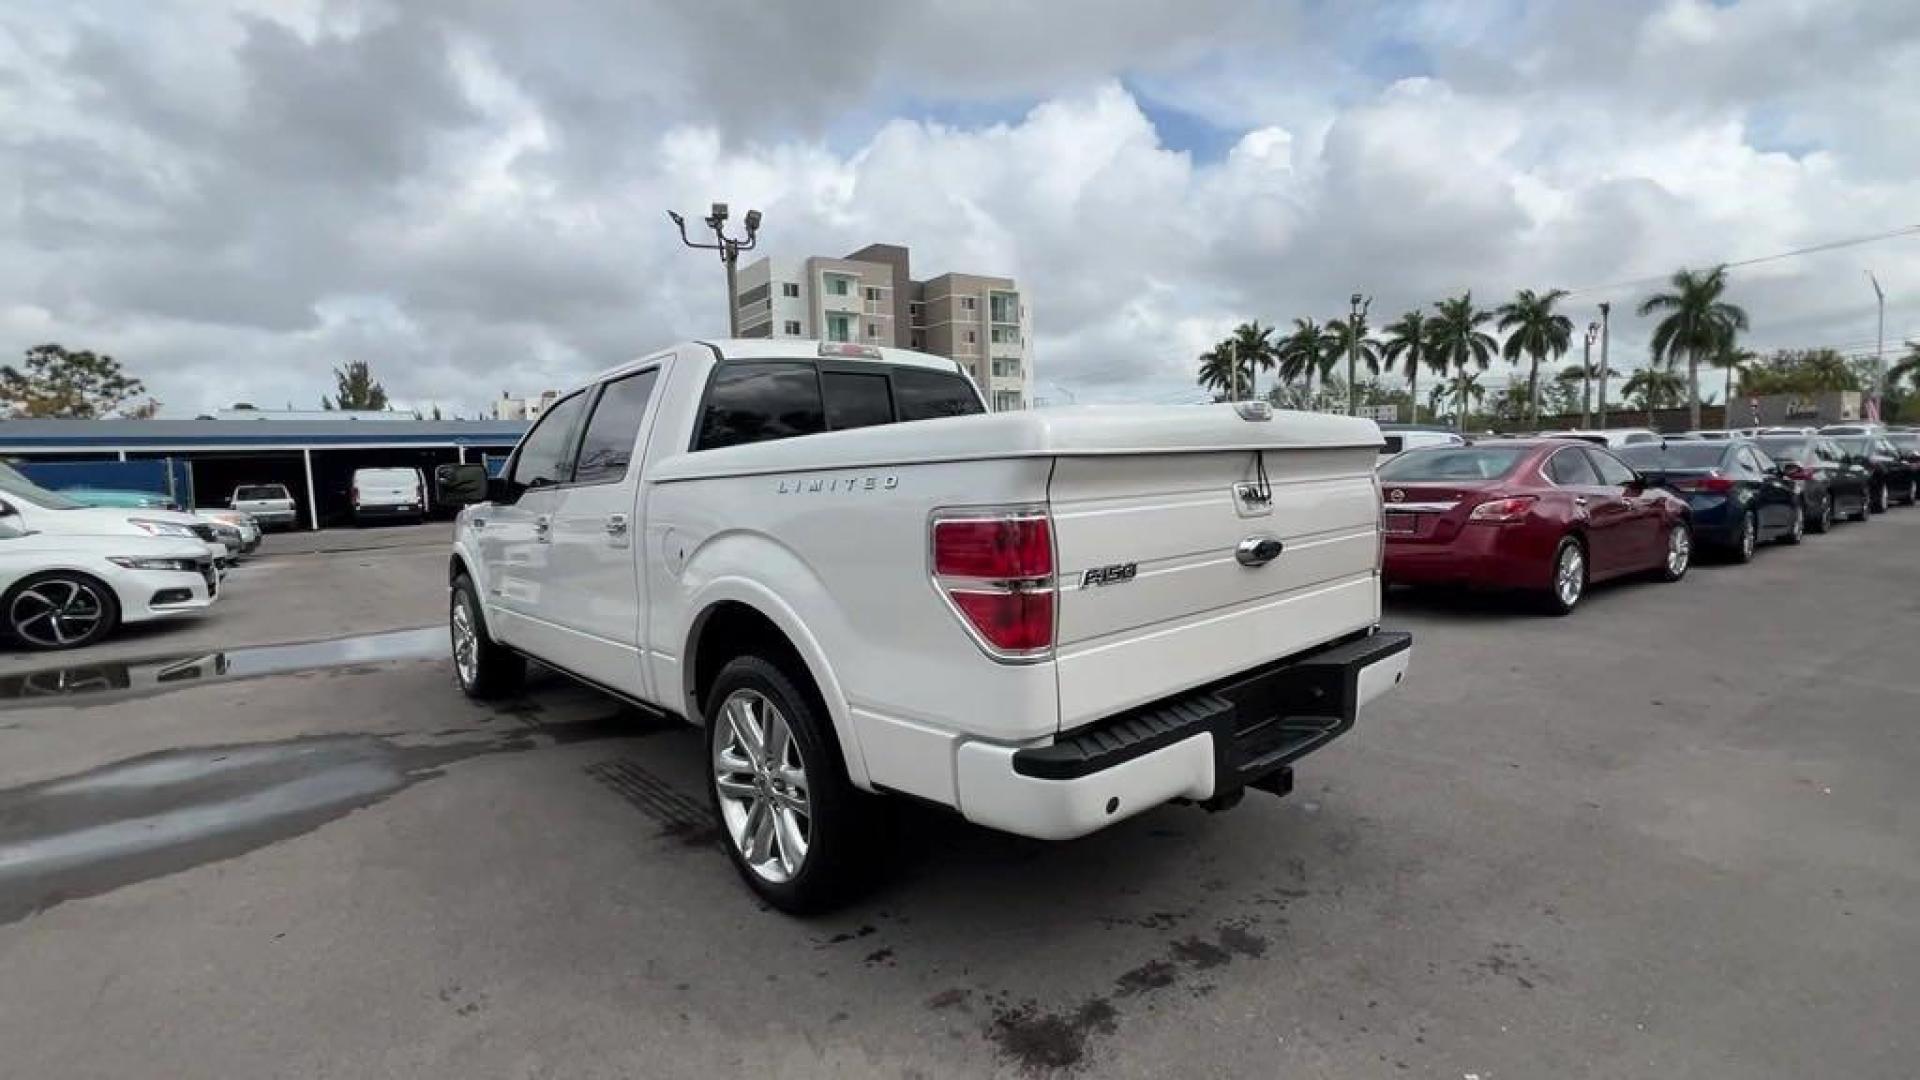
1670,835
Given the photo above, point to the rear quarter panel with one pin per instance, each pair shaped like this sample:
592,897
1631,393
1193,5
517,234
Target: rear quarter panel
838,559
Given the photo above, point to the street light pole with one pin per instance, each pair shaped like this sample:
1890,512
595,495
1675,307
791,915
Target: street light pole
1605,337
1358,307
1586,366
1879,348
729,249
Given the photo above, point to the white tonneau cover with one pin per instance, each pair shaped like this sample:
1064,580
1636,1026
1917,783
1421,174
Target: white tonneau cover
1081,431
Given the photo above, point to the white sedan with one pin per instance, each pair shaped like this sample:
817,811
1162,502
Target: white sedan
64,591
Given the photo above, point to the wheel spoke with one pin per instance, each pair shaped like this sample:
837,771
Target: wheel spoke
746,736
759,832
732,788
777,740
791,842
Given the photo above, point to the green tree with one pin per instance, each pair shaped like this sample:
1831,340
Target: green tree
1586,374
1536,331
1353,342
1305,354
1907,367
1735,362
1250,348
1406,350
1695,324
1458,344
357,388
1658,386
1800,371
80,384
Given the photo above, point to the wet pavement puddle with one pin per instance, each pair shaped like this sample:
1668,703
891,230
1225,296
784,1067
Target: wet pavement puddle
97,831
179,671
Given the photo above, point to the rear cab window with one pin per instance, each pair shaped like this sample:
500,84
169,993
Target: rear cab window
750,401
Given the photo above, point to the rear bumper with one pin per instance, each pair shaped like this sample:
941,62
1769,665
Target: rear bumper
1202,744
1479,556
389,510
274,517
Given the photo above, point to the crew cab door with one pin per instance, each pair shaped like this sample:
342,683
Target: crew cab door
514,534
596,594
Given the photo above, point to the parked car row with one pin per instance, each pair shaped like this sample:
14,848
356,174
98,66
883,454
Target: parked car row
71,573
1550,516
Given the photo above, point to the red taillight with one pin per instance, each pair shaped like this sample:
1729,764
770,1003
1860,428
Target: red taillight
993,547
1712,482
1503,511
1799,472
996,568
353,494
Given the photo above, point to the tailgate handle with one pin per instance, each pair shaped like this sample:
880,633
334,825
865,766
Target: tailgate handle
1257,550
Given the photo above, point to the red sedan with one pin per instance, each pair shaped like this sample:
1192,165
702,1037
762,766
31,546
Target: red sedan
1544,516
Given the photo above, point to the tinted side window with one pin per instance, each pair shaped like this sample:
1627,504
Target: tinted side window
1612,471
546,454
925,395
856,400
1570,467
607,447
750,403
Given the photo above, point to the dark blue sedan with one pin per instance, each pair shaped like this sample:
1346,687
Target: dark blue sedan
1738,496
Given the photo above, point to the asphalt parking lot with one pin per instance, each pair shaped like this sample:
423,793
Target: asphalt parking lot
1672,836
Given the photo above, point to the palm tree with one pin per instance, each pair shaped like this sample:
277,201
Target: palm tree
1586,373
1229,368
1534,330
1735,362
1406,347
1655,386
1305,353
1436,397
1458,342
1467,392
1367,352
1697,324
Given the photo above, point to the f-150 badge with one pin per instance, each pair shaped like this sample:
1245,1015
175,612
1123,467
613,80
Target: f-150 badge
1117,574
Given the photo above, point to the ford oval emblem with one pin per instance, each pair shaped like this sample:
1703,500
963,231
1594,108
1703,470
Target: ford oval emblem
1397,495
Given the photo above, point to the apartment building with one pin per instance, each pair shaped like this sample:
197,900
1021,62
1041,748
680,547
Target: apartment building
870,297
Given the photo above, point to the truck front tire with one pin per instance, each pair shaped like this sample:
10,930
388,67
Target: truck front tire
799,833
485,669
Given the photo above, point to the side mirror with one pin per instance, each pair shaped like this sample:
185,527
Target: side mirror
460,485
6,509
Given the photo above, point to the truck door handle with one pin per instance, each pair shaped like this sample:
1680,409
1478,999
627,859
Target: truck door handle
616,524
542,525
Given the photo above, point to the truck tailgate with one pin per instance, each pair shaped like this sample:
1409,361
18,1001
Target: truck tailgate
1153,598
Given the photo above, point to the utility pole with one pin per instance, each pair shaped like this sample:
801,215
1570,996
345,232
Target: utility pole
729,249
1879,349
1606,336
1359,305
1586,371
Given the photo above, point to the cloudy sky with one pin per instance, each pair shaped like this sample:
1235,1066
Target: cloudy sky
234,198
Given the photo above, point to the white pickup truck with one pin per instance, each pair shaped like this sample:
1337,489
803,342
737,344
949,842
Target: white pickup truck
1047,621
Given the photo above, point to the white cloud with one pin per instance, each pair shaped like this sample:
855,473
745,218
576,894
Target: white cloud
234,206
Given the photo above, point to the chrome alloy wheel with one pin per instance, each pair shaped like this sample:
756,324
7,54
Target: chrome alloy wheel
466,641
1798,531
1679,550
761,781
1570,577
1749,537
56,613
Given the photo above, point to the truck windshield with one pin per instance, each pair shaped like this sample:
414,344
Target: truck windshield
270,491
12,483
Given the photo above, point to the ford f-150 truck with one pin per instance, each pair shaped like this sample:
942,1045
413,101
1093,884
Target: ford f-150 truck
862,585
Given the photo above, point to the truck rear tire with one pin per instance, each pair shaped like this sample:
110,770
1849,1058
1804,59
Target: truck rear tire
799,833
484,668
